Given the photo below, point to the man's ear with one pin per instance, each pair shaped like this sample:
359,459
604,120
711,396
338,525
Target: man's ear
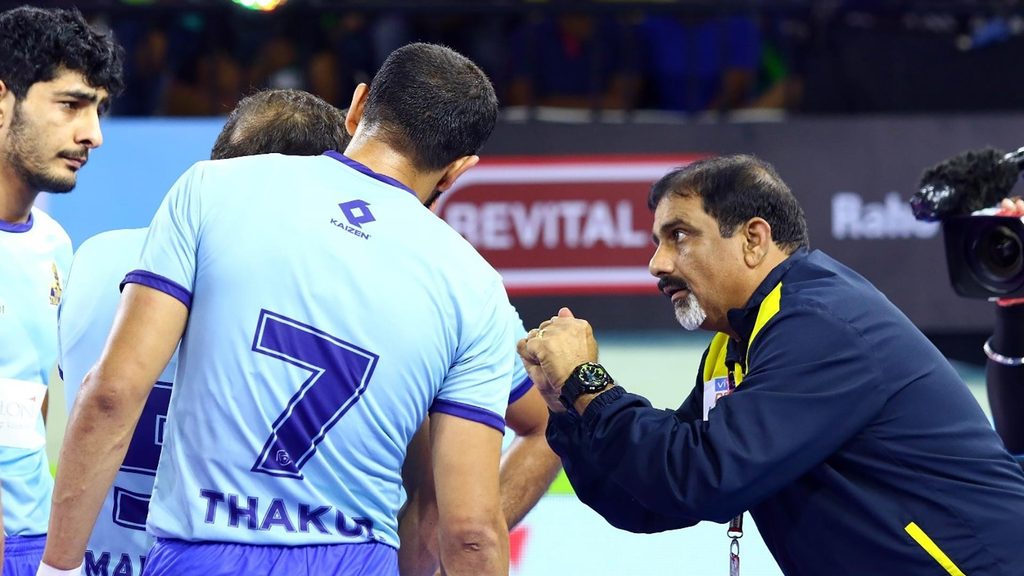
5,107
757,241
355,109
456,169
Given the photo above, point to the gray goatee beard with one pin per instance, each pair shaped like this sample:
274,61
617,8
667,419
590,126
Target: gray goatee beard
689,313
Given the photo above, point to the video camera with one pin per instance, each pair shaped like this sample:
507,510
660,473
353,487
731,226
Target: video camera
984,252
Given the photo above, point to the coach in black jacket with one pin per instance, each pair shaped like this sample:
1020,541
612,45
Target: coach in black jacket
819,407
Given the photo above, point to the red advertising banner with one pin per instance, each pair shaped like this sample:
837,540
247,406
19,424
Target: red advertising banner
561,225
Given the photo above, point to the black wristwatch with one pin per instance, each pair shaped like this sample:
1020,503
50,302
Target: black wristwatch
587,378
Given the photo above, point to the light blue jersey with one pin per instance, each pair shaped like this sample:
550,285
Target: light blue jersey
34,260
119,542
329,311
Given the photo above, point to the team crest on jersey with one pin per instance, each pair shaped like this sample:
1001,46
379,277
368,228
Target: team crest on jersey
55,289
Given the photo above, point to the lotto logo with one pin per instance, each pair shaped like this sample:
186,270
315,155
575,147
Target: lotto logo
356,212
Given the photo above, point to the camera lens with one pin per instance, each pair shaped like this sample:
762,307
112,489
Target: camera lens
999,253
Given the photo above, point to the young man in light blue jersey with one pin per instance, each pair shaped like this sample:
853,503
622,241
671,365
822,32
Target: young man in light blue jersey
328,311
56,77
268,122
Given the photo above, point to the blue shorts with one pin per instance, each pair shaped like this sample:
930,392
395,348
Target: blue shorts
175,557
23,554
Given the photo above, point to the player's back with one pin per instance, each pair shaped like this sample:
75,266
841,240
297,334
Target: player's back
119,542
34,259
328,310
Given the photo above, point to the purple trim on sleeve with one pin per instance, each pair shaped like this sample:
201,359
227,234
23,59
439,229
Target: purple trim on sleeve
467,412
17,227
158,282
365,170
60,372
520,390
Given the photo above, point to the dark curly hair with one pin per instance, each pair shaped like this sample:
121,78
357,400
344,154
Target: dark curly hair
36,44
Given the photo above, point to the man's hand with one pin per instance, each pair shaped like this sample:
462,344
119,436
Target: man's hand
1011,207
553,350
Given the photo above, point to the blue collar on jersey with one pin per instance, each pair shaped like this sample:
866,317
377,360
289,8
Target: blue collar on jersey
365,170
17,227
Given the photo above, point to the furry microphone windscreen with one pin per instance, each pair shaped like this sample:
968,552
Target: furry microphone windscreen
963,184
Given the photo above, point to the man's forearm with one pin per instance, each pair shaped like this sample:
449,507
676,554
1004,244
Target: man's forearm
97,438
527,470
473,535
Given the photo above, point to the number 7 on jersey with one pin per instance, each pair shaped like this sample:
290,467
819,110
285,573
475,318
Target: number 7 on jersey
339,374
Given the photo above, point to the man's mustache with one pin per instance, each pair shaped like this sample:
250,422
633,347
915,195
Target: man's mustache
82,155
671,282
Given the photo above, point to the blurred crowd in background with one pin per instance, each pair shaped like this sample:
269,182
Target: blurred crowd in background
682,58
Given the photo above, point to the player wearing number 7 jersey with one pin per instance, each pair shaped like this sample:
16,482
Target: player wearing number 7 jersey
272,121
328,310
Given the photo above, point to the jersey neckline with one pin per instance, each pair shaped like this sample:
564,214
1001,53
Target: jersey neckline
17,227
359,167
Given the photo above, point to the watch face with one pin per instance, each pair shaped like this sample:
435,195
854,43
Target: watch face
587,378
593,377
